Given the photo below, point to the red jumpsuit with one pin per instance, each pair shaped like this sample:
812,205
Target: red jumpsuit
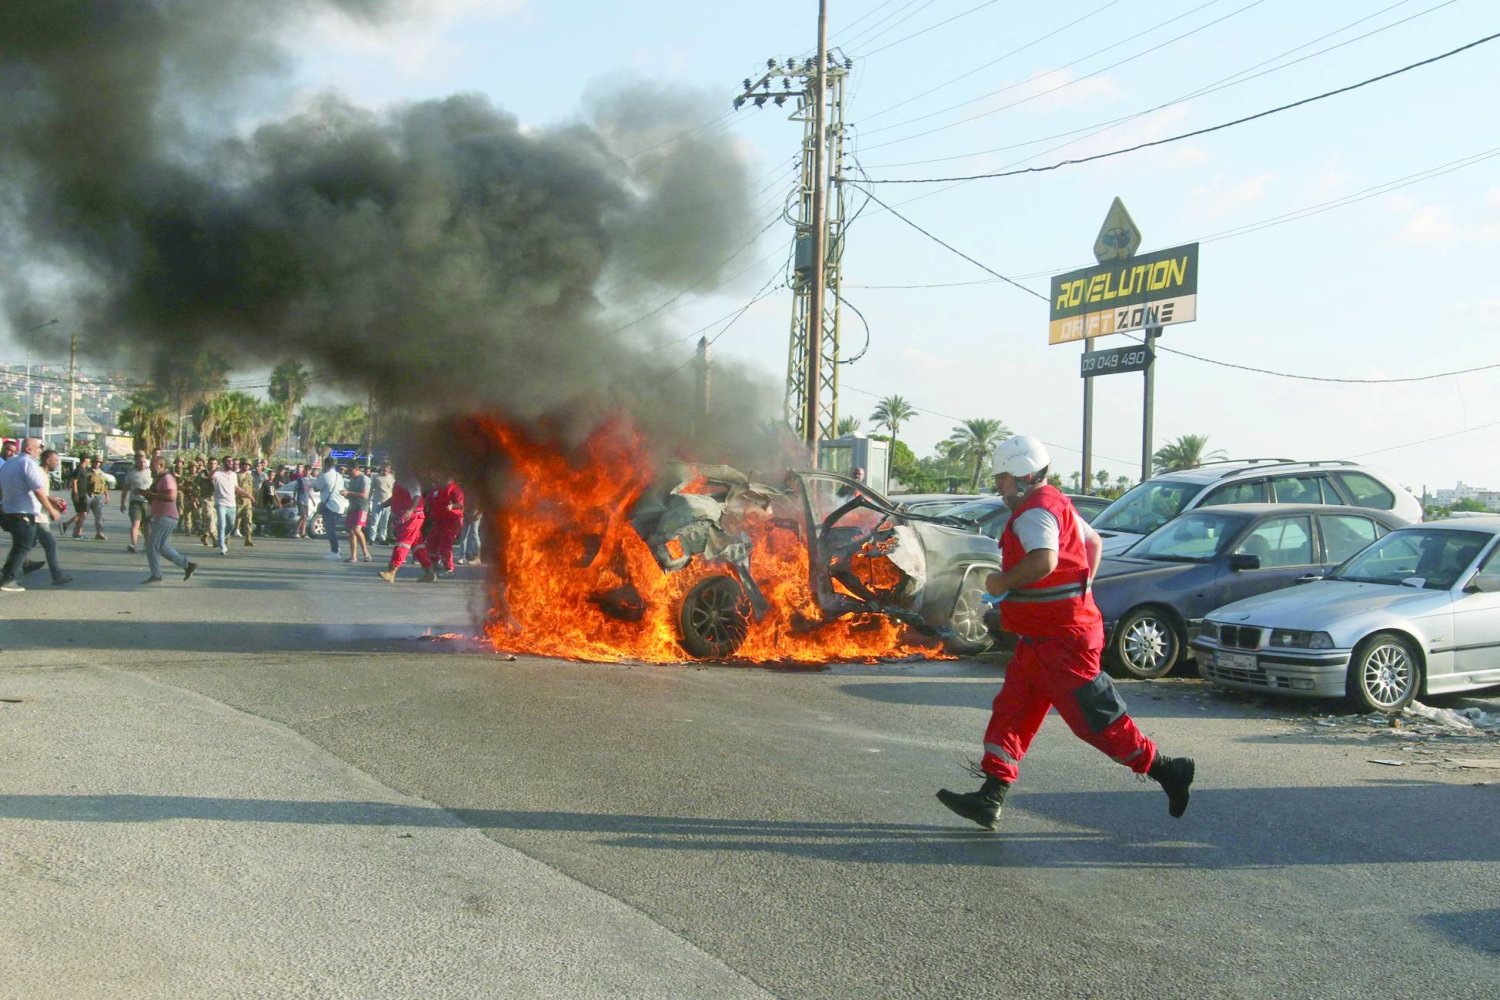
408,516
1057,662
445,511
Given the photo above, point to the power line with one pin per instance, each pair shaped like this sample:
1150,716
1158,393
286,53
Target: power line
931,27
951,248
1197,132
1440,437
893,14
1196,357
1224,83
1296,215
1021,48
1070,83
865,16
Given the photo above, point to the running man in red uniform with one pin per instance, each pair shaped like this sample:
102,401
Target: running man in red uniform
1048,557
445,517
407,519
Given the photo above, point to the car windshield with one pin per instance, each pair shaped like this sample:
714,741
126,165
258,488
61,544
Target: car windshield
989,513
1148,506
1194,537
1432,556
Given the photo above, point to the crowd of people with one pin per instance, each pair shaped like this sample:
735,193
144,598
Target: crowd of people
219,501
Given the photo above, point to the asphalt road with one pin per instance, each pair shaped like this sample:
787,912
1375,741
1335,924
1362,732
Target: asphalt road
263,782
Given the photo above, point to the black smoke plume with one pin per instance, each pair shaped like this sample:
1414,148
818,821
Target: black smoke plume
438,254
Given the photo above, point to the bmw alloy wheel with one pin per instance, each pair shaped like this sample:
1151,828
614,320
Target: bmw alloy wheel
1384,675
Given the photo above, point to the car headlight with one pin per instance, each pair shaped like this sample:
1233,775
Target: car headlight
1299,639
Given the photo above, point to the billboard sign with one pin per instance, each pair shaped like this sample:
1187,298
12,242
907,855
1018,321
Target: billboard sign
1154,289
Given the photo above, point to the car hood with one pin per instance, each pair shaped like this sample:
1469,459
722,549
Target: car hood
1114,567
1116,542
1315,606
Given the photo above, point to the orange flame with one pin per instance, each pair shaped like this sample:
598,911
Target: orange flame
573,579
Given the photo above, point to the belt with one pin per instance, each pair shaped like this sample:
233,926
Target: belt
1043,595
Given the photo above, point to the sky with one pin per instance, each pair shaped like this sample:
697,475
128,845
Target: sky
1397,283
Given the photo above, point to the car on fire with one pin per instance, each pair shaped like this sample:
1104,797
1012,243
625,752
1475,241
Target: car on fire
865,555
1417,612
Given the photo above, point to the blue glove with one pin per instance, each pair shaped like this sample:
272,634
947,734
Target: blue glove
992,599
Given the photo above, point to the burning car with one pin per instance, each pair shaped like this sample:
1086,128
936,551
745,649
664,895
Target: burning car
601,553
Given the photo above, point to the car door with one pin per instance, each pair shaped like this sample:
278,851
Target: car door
1345,534
1476,629
1304,487
1284,545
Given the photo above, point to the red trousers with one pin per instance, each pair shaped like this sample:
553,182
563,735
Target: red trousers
441,535
1061,673
409,537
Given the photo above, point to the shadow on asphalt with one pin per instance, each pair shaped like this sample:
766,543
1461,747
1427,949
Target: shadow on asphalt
136,632
948,693
1478,929
1225,829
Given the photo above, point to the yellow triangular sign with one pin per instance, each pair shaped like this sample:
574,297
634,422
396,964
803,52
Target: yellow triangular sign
1118,238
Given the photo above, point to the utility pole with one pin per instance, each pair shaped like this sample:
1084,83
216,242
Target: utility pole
705,378
816,88
72,384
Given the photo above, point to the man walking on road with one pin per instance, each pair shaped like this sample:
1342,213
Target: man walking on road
381,486
24,497
226,484
163,498
132,500
1048,557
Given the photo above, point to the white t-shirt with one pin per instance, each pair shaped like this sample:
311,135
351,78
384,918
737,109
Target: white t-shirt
225,483
330,485
1037,529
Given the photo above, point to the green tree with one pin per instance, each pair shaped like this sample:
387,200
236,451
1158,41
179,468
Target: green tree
890,413
1187,452
846,426
1102,478
189,381
973,442
289,385
1122,483
147,418
1076,477
1055,480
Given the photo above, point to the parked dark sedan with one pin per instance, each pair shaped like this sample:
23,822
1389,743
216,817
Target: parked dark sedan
1155,595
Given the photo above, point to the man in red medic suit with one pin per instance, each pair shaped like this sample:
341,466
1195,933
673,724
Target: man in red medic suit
1048,557
407,519
445,520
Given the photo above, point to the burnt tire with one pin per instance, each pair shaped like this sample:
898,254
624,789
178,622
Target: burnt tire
714,618
1385,674
1145,644
970,633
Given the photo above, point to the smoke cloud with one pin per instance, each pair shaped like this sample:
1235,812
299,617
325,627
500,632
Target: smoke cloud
437,253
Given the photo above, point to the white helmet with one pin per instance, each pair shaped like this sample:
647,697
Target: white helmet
1021,456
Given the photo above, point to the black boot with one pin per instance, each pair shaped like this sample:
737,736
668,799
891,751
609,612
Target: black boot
982,806
1174,774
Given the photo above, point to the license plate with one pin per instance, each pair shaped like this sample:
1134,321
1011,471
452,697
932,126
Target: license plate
1235,661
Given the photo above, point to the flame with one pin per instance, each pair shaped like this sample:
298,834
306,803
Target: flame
573,579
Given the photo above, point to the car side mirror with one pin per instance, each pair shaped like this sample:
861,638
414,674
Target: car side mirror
1484,583
1244,560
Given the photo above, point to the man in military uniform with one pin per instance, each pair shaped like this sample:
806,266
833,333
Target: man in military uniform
189,496
208,512
244,520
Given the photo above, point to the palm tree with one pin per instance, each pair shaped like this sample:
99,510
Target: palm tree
1186,452
846,426
1102,478
890,413
147,419
289,385
1076,477
189,382
1122,482
974,442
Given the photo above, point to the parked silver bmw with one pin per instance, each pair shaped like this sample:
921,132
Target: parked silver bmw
1418,611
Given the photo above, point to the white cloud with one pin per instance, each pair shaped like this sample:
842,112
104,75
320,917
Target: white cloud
414,45
1428,224
1224,195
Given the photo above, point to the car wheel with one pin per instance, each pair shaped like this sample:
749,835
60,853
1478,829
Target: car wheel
970,633
1146,643
315,526
714,618
1384,674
